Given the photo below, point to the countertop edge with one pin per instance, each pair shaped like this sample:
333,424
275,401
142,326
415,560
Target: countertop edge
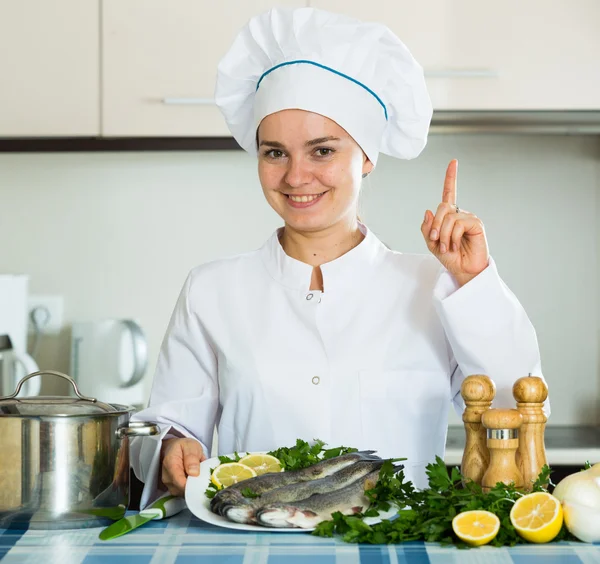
555,457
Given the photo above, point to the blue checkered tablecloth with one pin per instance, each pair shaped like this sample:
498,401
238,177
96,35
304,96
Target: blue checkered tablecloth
183,539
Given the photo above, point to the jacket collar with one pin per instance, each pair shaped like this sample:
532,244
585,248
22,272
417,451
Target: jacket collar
341,272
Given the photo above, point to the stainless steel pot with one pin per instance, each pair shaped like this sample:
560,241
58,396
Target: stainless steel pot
64,461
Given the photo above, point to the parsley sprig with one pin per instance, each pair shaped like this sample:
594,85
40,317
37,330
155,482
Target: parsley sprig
303,454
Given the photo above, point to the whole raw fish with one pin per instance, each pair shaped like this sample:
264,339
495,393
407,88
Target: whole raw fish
308,513
243,509
266,482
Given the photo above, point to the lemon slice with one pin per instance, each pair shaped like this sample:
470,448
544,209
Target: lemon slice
262,463
476,527
231,473
537,517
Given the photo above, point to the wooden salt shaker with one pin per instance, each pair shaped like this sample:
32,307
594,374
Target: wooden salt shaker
478,391
530,392
502,440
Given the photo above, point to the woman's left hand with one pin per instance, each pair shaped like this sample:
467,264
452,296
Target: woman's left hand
456,238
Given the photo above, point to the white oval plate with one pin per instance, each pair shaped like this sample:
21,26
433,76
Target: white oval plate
199,504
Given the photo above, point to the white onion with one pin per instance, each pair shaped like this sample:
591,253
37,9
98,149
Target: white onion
579,494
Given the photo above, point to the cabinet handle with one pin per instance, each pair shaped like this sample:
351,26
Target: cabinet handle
188,101
462,73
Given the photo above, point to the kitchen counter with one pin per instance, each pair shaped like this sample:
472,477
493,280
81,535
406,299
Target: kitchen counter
183,539
565,446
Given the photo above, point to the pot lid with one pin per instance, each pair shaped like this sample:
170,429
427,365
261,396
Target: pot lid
53,405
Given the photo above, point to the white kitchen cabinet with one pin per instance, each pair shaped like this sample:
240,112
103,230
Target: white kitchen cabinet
160,61
512,55
49,68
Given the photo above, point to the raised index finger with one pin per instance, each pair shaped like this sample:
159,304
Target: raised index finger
449,194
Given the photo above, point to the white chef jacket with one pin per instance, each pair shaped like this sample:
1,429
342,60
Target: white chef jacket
372,362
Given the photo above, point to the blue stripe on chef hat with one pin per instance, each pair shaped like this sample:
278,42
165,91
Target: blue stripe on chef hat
328,69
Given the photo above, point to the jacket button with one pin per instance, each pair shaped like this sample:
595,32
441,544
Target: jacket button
316,380
309,297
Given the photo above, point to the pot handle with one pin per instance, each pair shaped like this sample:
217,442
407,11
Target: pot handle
60,374
138,429
29,366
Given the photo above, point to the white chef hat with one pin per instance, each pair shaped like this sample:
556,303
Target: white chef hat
358,74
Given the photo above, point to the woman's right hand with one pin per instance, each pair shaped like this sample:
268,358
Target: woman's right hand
180,458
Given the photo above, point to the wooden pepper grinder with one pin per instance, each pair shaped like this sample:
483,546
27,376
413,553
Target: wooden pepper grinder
502,440
478,391
530,392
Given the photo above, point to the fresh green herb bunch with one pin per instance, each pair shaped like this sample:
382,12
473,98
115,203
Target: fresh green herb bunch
391,489
303,455
427,515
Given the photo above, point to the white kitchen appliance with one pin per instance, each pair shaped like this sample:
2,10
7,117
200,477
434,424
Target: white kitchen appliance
13,365
15,362
109,359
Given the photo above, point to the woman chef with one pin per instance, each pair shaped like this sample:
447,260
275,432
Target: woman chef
324,332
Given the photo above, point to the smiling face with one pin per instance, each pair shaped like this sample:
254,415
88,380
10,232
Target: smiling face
310,169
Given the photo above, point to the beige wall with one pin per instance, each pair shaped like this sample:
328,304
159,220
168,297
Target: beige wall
116,234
